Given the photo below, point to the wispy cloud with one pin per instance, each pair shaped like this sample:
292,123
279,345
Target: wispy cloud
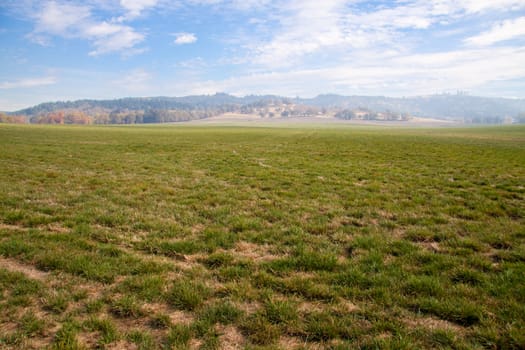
136,80
184,38
476,6
416,74
191,64
305,28
502,31
28,83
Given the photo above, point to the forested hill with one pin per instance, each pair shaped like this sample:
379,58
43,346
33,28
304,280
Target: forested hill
460,107
444,106
188,103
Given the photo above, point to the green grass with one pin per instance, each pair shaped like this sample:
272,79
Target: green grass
179,336
262,237
186,294
105,329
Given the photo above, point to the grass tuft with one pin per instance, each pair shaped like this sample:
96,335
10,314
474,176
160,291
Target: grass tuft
126,306
186,294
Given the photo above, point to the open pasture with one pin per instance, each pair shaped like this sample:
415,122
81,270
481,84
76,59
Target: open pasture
224,237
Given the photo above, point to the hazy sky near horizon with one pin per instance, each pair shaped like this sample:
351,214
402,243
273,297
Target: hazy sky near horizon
101,49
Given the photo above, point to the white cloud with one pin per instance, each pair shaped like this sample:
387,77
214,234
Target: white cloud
417,74
502,31
77,21
414,16
459,8
475,6
135,8
307,27
103,29
309,47
28,83
61,19
184,38
123,39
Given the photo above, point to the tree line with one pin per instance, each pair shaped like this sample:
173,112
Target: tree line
112,117
468,109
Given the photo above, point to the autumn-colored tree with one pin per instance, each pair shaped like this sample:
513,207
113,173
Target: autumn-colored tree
12,119
53,118
77,117
63,117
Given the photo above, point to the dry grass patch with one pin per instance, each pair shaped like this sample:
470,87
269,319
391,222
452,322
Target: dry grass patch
180,317
432,323
253,252
28,270
230,338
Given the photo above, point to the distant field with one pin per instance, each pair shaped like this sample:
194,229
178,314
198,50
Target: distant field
210,237
318,121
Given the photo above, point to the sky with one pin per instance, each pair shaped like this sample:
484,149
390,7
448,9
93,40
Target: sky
102,49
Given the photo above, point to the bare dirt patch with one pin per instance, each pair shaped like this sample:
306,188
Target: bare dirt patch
195,344
8,327
254,252
121,345
434,323
231,338
12,227
197,228
287,342
29,271
348,306
430,246
38,343
88,339
58,228
178,317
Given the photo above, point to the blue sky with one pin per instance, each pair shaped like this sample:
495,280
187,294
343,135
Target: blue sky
66,50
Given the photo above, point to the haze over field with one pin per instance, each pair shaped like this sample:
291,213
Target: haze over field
457,108
68,50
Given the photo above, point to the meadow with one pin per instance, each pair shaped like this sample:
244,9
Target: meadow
281,237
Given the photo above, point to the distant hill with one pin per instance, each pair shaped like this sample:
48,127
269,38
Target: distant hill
219,100
444,106
459,107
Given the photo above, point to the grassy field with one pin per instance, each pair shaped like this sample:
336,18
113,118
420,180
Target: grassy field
283,237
